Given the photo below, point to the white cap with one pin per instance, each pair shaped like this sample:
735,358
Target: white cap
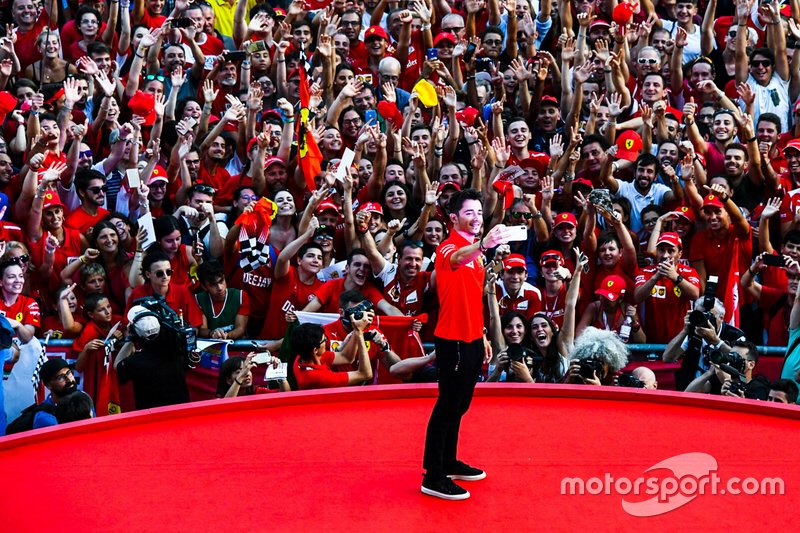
146,327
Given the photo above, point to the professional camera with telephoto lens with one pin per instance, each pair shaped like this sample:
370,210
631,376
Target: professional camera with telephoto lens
591,366
702,319
627,380
717,357
175,336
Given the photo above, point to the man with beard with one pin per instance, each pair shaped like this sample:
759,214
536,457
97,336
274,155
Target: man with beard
594,156
294,285
227,81
770,143
643,191
350,25
744,175
57,376
326,298
668,289
90,186
213,160
723,130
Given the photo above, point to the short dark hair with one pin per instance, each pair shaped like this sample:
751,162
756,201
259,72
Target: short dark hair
786,386
791,237
311,245
210,272
306,338
606,237
84,176
766,52
93,300
354,252
457,200
658,74
595,138
74,406
648,160
492,29
752,350
153,257
97,47
353,296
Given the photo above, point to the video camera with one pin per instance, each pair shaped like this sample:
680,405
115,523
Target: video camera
174,335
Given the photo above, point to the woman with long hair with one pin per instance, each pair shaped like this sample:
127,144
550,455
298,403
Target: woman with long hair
236,377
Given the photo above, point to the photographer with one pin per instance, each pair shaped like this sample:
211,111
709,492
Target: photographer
597,356
156,356
704,328
743,356
312,368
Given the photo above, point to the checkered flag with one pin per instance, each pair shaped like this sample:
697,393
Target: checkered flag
304,60
39,362
253,252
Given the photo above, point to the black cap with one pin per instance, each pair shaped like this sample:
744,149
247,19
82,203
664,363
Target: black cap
51,368
325,230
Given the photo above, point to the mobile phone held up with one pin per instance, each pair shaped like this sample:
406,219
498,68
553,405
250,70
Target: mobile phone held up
433,54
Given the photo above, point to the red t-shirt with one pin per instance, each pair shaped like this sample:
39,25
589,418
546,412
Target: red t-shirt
328,294
221,181
460,291
25,311
666,307
178,298
152,21
336,334
82,221
312,376
53,323
528,301
289,294
25,47
718,255
256,282
408,298
776,318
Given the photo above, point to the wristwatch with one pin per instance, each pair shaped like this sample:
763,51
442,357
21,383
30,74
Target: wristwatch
678,279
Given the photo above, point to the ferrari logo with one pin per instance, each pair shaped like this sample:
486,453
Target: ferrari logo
629,144
677,291
710,196
610,284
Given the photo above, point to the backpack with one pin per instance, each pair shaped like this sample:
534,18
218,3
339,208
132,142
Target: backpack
24,422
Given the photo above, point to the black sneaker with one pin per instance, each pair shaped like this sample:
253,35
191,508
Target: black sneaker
464,472
443,488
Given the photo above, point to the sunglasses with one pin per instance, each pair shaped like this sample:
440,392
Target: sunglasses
151,77
645,61
550,258
205,189
85,153
519,214
97,190
324,237
761,63
20,259
164,273
251,197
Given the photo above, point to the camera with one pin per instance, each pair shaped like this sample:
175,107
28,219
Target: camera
356,313
181,22
737,387
174,335
702,319
591,366
715,356
627,380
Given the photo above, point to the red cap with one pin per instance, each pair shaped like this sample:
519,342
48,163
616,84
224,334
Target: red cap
629,144
794,144
671,238
372,207
712,200
51,199
252,142
547,99
390,112
467,115
444,36
599,22
514,261
272,161
159,174
565,218
375,31
325,205
279,12
551,256
582,181
452,184
685,212
271,114
142,104
7,103
612,287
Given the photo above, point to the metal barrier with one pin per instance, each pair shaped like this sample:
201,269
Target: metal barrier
639,351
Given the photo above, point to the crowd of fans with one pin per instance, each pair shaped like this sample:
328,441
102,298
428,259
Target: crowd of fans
642,148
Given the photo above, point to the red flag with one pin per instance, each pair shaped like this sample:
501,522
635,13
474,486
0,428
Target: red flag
732,297
309,154
404,341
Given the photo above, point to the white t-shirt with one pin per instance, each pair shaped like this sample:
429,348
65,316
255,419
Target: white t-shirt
777,90
638,202
693,48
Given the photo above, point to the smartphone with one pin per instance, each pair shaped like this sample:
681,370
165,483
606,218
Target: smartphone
774,260
262,358
433,54
134,181
191,122
471,47
518,233
366,79
483,64
238,55
182,22
370,117
258,46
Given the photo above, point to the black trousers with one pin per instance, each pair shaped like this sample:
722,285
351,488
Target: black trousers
459,365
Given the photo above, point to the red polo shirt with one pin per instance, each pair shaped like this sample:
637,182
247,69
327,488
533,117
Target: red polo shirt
311,376
460,291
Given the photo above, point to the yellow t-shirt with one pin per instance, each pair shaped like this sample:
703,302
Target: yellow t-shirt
223,13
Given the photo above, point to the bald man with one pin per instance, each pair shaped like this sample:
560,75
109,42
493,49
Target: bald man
646,376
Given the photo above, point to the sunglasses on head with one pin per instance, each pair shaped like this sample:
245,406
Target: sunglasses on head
97,189
647,61
151,77
164,273
205,189
551,258
521,214
761,63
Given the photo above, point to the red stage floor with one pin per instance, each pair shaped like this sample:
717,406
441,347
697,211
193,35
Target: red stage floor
349,460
